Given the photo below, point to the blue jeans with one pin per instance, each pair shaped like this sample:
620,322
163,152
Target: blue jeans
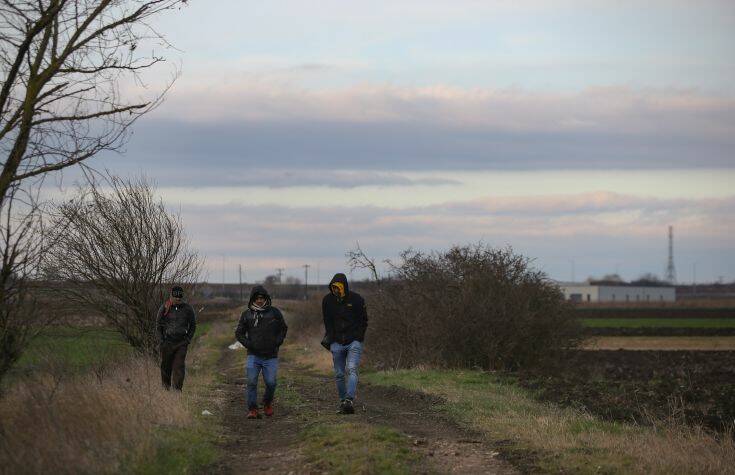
346,358
269,366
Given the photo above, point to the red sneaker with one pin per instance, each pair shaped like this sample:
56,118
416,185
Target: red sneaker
268,409
253,414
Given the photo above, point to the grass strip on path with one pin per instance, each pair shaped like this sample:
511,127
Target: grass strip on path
357,448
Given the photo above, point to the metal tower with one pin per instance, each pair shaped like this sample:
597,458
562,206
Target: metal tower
670,269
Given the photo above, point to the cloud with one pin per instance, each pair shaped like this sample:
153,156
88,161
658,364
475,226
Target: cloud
592,227
228,174
597,109
242,128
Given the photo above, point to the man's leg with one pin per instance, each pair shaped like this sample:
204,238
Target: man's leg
167,358
253,368
270,374
354,353
178,367
339,358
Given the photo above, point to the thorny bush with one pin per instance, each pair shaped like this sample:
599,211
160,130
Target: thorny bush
468,306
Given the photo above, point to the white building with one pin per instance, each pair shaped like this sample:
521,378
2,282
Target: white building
617,293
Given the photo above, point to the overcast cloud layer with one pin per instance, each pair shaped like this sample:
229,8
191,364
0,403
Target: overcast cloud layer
228,133
298,128
596,231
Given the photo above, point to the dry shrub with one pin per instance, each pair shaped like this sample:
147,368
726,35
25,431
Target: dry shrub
117,252
469,306
85,424
304,317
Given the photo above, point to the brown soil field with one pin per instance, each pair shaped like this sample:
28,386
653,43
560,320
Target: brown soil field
658,332
690,343
646,387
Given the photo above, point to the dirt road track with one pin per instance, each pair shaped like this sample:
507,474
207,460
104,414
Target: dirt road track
272,445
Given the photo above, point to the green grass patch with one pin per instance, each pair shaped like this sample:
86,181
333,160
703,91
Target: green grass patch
350,448
659,322
73,348
176,451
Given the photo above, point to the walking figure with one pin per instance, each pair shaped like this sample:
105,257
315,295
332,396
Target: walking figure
261,330
345,322
176,325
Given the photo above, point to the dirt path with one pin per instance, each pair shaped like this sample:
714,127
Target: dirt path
253,446
272,445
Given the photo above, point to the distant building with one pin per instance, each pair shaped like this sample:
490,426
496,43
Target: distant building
583,292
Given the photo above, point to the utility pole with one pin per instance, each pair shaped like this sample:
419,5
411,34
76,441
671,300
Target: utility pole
279,273
223,275
694,279
239,268
670,269
306,281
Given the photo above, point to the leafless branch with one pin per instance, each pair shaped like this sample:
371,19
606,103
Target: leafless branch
64,65
119,252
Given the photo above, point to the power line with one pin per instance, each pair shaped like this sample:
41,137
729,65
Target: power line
240,279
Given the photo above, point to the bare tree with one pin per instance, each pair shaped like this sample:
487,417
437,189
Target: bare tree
119,252
357,259
63,64
23,243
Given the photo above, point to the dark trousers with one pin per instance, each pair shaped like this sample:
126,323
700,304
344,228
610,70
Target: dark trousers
173,368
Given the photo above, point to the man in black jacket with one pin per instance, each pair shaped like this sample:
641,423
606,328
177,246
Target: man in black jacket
345,322
176,324
261,330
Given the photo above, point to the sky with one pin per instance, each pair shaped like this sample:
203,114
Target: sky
573,131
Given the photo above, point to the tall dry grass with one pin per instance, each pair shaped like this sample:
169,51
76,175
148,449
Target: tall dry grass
91,423
659,446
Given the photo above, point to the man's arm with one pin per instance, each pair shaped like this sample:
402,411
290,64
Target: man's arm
192,325
328,319
241,333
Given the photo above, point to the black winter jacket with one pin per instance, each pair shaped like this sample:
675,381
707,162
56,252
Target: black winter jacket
345,319
176,325
261,332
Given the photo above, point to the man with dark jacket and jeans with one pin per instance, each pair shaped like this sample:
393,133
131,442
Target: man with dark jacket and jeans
261,330
345,322
176,324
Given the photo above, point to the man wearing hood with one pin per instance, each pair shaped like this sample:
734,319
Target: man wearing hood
345,322
176,324
261,330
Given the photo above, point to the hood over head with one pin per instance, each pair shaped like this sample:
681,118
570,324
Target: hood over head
340,279
259,290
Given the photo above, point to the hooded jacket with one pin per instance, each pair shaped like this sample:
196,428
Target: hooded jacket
176,323
261,332
345,319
